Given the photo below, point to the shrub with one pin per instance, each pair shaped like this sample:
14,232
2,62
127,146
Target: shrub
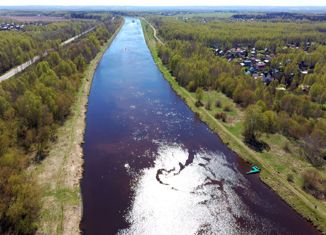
221,116
227,108
218,104
254,123
208,105
286,147
199,94
315,184
198,103
290,178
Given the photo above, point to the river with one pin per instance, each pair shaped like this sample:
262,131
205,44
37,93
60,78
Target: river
152,167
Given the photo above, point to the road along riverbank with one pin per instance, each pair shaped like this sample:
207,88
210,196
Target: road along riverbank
22,67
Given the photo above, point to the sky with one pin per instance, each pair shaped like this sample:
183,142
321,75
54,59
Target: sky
165,2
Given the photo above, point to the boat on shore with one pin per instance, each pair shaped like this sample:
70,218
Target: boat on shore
254,170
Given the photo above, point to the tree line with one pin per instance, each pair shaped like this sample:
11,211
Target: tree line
228,33
32,106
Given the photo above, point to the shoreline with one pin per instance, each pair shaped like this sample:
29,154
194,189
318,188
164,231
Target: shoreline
60,172
301,202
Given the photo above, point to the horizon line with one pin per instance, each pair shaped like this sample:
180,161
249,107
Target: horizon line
45,5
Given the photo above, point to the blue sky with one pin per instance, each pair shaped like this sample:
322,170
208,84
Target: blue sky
167,2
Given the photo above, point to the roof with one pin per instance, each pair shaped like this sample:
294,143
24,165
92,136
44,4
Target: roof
281,88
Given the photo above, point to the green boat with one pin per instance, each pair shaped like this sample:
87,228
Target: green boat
254,170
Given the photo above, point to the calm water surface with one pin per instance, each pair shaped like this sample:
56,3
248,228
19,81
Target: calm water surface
151,167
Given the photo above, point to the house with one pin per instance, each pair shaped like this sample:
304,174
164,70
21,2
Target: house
276,74
267,61
252,70
248,73
255,75
305,72
280,88
11,26
247,63
261,65
267,78
303,65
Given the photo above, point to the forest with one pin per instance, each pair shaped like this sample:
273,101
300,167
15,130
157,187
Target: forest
17,47
32,106
204,57
290,16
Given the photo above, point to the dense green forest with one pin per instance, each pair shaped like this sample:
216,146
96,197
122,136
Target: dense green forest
17,47
285,95
229,33
32,106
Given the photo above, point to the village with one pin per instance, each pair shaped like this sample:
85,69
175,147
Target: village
257,63
11,26
20,23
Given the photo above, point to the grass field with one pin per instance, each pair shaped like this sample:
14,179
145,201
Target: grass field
277,164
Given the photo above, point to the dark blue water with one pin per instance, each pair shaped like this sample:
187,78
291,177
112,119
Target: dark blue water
151,167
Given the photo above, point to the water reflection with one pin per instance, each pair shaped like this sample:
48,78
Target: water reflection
188,193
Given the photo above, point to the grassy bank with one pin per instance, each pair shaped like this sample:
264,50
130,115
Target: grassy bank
277,164
60,173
